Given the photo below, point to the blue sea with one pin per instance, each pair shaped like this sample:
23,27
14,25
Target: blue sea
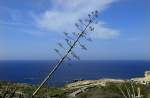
33,72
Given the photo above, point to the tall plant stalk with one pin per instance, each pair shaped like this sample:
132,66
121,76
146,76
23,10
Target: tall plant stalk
91,19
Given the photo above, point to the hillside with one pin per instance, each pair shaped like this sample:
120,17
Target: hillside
105,88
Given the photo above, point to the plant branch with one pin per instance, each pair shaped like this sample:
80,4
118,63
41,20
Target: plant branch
61,60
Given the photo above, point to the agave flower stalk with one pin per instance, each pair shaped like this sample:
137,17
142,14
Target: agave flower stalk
89,21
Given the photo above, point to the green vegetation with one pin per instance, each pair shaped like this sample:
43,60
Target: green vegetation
111,90
26,90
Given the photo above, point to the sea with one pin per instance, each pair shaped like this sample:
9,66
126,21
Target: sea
34,71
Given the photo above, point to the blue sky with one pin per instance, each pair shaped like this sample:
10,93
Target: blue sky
30,29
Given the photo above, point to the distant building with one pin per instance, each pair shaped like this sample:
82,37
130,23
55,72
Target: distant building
143,80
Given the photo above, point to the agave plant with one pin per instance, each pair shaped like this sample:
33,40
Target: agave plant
130,90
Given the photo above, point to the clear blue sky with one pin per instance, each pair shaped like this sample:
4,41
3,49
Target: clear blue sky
30,29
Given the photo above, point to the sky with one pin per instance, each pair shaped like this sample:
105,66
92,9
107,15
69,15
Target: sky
31,29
